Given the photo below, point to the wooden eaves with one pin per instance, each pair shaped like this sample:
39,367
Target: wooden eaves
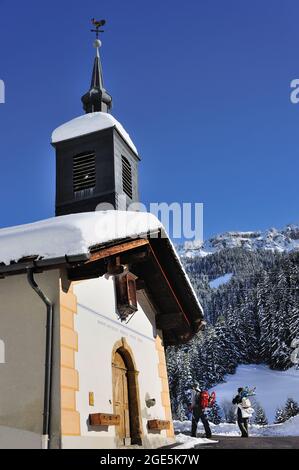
160,276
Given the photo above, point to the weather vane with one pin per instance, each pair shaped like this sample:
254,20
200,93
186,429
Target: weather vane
98,24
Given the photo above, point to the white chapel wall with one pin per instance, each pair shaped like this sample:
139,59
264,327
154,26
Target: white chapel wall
98,330
22,329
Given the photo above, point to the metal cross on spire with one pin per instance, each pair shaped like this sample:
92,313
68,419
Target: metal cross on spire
98,24
97,98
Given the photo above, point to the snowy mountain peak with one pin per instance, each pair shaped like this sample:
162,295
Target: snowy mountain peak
286,239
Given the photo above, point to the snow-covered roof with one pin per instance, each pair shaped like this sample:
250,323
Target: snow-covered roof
73,234
88,123
79,236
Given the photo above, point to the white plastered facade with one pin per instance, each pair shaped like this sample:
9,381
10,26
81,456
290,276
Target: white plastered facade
99,330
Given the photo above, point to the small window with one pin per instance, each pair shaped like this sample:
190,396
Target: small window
127,177
84,171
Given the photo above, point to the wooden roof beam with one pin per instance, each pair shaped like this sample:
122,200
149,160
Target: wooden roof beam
117,249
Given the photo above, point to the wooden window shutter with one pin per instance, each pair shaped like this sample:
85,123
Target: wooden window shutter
84,172
126,297
127,177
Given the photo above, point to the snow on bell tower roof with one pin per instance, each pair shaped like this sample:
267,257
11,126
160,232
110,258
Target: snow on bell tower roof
87,124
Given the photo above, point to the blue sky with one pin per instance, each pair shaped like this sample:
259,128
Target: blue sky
201,86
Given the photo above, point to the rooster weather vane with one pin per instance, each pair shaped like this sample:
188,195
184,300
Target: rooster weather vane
97,24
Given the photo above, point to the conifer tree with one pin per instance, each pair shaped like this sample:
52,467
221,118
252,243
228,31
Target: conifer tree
260,417
214,413
280,416
291,408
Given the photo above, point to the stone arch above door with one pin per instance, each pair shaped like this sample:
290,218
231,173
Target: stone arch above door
127,352
122,347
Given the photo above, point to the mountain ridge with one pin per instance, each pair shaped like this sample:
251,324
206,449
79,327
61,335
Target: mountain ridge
273,239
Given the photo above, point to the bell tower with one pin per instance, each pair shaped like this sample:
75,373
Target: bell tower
96,160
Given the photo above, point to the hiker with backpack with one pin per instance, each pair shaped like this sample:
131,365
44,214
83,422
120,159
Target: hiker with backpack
200,401
244,408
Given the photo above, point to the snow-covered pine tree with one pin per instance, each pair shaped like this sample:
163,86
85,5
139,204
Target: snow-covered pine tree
293,307
172,358
235,323
208,357
248,313
280,416
260,417
214,413
181,393
265,313
181,412
225,352
280,335
291,408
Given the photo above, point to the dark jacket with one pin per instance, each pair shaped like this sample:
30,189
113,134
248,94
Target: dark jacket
196,400
236,401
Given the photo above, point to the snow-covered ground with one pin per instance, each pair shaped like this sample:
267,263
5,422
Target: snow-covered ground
219,281
272,387
272,390
187,442
289,428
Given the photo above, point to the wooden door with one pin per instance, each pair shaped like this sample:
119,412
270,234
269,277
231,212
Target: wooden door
121,398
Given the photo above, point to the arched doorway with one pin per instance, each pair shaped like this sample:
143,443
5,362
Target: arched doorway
126,395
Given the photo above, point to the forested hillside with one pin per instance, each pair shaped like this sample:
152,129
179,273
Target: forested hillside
253,318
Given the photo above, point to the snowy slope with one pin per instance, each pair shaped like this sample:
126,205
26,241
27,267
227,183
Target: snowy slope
286,239
219,281
272,387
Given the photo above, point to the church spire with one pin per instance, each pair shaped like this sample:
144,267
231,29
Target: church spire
97,98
